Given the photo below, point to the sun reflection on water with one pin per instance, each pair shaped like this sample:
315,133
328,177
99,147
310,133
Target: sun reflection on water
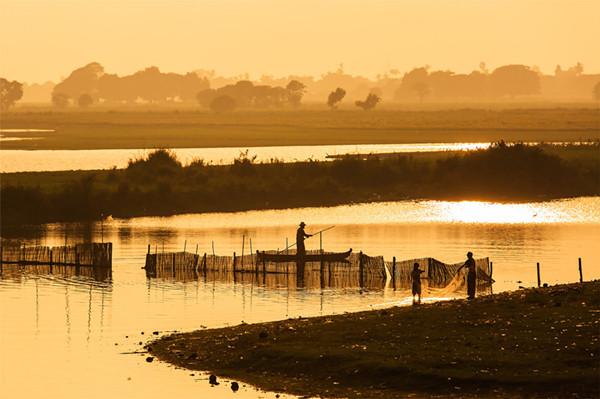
488,212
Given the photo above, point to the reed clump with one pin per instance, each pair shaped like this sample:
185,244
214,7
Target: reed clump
159,184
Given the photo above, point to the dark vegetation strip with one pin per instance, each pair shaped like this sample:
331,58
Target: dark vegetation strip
529,343
160,185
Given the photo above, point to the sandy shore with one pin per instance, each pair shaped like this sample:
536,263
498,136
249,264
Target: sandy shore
528,343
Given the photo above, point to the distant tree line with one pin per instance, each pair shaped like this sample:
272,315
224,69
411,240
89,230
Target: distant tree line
244,94
423,84
89,84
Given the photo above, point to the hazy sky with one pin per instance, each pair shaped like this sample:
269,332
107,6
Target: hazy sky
46,39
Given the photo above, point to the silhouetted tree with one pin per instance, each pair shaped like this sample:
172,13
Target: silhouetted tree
596,91
294,92
60,100
80,81
514,80
417,80
10,93
223,104
369,103
335,97
205,97
85,100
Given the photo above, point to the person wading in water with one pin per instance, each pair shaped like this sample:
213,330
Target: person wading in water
300,236
471,275
416,283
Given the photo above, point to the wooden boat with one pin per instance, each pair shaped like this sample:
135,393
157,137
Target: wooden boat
310,257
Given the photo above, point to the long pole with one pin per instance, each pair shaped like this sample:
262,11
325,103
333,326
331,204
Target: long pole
580,272
538,274
318,232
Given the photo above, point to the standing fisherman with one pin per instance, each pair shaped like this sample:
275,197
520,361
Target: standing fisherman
300,236
471,275
416,283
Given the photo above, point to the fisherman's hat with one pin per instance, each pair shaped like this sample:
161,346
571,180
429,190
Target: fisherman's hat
302,224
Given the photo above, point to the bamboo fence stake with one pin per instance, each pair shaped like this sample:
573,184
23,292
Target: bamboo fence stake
394,272
242,260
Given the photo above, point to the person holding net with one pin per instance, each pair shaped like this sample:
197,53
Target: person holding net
416,283
471,275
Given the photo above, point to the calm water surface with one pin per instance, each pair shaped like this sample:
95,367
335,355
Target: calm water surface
65,336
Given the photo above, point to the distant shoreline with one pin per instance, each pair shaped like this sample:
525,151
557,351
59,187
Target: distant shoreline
528,343
159,185
195,128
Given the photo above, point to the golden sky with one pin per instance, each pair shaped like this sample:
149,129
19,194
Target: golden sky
46,39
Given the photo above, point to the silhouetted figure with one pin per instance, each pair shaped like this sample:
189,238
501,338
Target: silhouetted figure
300,236
471,275
212,380
416,283
235,386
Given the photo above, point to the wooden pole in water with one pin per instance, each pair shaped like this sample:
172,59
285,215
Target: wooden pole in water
184,245
321,241
148,248
242,260
321,252
360,268
234,264
394,272
251,253
491,269
580,272
538,274
196,249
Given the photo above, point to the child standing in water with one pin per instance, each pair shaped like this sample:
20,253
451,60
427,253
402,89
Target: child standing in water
416,283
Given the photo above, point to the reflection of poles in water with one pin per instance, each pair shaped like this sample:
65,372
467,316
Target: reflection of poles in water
102,314
89,316
37,308
300,265
68,315
102,227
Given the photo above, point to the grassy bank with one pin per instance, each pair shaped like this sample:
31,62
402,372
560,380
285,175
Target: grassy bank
161,128
529,343
160,185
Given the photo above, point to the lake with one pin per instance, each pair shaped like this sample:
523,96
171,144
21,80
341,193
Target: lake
69,336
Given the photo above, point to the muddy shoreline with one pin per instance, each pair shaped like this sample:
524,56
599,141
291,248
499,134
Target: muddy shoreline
528,343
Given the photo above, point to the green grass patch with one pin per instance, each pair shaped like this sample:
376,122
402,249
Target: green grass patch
192,128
